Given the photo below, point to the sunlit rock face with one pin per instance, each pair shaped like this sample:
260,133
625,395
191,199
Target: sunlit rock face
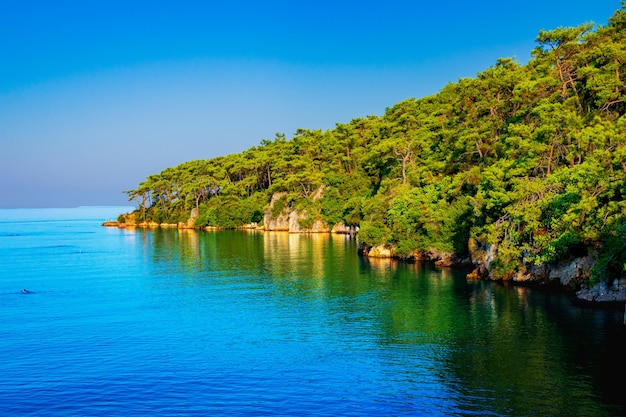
290,220
278,222
380,251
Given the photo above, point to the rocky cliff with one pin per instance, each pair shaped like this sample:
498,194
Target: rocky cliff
279,216
572,275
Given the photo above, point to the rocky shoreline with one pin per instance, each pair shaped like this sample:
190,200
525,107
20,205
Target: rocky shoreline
572,276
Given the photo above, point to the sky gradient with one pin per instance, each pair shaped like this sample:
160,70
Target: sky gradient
96,96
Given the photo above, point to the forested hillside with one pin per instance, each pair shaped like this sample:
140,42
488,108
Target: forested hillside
529,159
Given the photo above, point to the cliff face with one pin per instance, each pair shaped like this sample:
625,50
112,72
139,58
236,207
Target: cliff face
280,221
279,217
290,221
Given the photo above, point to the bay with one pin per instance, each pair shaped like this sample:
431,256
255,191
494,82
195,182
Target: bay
169,322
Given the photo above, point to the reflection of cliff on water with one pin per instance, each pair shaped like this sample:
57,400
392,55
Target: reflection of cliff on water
171,249
274,256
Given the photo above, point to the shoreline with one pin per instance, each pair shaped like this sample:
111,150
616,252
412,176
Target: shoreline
601,295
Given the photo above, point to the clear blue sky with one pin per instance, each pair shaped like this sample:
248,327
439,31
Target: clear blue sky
97,95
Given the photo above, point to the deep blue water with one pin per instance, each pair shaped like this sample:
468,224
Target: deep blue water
122,322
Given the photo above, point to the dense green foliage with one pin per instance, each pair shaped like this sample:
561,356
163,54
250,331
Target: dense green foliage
530,157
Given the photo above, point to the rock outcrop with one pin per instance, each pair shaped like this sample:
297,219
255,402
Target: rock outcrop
604,292
189,224
481,256
379,251
279,216
446,259
279,221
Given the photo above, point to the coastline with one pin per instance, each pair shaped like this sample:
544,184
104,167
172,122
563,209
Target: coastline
602,294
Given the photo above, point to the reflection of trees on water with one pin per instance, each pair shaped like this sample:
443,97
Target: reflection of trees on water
499,338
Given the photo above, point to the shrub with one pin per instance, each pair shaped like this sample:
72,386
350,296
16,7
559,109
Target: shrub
372,233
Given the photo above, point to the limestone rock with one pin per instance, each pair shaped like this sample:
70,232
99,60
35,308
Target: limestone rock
291,220
380,251
343,229
482,255
280,222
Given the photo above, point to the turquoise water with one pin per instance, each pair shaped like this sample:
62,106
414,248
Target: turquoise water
121,322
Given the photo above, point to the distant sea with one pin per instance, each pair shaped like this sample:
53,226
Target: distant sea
133,322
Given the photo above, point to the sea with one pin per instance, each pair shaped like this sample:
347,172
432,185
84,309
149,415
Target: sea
104,321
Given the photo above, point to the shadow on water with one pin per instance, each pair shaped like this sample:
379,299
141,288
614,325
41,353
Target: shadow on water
498,349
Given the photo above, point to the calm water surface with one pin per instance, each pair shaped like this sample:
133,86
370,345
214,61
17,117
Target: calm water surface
122,322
